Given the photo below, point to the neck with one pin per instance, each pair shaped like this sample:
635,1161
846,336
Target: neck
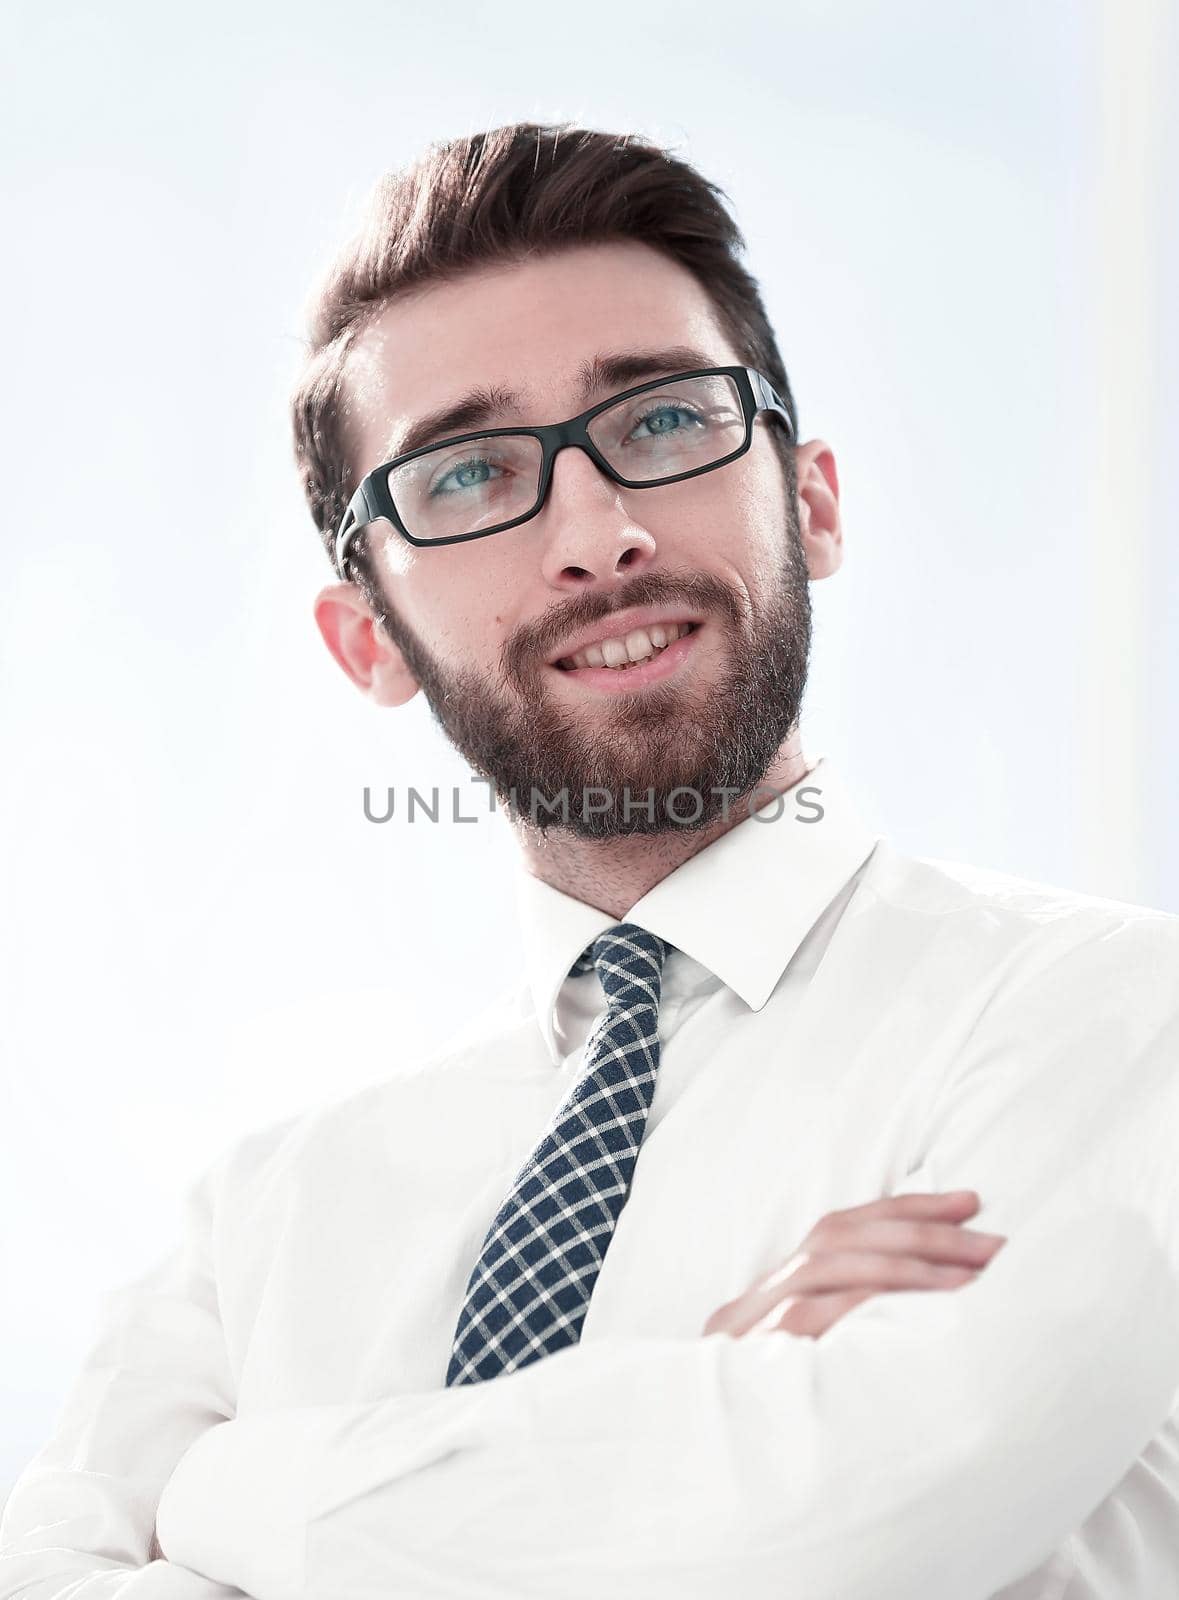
612,874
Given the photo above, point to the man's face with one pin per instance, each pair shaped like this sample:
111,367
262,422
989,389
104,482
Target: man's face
486,628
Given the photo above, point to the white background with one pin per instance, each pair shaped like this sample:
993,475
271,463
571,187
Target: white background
957,216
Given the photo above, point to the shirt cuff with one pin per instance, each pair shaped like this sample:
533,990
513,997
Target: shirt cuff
234,1509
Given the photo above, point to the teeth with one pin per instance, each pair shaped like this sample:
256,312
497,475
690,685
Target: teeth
638,645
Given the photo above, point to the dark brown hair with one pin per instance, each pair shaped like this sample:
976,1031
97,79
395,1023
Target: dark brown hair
496,196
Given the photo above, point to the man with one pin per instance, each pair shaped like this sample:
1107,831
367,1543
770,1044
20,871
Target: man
657,1281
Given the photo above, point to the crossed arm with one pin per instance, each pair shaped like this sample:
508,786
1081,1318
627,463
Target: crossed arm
933,1444
930,1444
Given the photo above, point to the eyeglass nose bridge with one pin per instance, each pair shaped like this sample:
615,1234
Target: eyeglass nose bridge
572,435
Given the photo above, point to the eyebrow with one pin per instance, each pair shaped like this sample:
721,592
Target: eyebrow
480,406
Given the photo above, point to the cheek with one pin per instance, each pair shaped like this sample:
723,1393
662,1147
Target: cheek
741,502
761,493
398,559
743,524
474,612
457,607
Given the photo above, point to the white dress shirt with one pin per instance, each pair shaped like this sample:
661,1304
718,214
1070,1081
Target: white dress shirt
839,1022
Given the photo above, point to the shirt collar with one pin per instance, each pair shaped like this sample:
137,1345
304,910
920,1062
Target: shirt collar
741,906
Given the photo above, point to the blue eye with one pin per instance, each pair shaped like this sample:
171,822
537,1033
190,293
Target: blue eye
461,471
659,414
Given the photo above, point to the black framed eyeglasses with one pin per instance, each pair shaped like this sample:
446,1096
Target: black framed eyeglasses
481,483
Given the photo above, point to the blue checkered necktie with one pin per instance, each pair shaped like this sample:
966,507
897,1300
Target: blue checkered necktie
531,1286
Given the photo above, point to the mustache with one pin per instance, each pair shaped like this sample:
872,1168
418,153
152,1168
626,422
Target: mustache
536,641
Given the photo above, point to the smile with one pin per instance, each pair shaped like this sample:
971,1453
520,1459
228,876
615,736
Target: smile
630,660
640,644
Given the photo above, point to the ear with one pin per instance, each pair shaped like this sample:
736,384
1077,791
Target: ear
818,508
361,646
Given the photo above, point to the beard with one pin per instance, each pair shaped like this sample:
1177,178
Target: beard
661,758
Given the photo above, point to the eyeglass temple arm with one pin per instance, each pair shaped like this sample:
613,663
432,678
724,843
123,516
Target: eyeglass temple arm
768,398
360,512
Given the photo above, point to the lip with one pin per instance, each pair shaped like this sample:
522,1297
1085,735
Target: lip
619,680
617,626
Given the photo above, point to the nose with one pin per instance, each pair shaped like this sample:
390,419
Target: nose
590,535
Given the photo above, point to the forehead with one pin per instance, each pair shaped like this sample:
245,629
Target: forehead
528,326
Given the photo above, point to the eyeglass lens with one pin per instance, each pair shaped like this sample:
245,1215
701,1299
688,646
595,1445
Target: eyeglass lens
473,487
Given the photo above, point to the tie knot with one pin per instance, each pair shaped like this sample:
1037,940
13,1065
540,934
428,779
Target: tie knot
629,960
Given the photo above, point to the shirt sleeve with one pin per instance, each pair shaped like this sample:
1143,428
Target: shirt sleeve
80,1521
931,1444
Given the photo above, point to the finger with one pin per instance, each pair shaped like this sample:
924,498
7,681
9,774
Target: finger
910,1236
835,1272
954,1202
811,1316
742,1315
832,1270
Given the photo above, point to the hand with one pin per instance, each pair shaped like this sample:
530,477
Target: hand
906,1241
